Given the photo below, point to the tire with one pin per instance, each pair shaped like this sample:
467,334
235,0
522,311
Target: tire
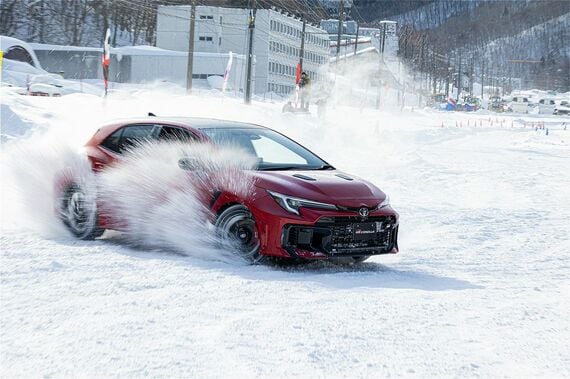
79,214
237,231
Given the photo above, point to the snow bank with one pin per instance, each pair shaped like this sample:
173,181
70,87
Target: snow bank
22,75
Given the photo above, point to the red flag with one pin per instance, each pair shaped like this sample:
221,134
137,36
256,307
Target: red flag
106,59
298,74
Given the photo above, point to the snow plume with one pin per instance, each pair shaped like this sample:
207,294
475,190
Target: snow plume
366,81
32,197
162,205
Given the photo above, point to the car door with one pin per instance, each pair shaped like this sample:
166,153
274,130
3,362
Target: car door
120,141
200,177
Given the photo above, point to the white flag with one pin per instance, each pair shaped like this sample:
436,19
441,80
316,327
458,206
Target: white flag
227,72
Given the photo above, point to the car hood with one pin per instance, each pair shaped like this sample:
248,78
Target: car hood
330,186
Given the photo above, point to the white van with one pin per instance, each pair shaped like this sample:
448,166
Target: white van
520,104
546,106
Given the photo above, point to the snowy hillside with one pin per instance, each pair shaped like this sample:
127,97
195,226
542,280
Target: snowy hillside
480,287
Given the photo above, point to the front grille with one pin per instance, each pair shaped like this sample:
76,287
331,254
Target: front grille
347,235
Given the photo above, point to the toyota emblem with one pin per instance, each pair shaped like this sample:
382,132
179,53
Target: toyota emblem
363,212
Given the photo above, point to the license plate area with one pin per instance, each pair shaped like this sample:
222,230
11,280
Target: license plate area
365,231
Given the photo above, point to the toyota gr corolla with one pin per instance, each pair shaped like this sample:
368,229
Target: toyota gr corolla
301,208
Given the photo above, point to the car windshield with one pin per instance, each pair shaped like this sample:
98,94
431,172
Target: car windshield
272,150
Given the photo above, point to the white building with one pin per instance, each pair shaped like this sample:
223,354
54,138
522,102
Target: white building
276,46
331,26
368,32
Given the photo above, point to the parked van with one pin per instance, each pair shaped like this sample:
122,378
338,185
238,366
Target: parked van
520,104
546,106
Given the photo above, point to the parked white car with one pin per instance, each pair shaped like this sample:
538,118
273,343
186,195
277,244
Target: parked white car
563,108
519,104
546,106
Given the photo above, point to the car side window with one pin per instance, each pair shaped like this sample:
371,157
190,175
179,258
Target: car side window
170,133
129,136
112,141
134,135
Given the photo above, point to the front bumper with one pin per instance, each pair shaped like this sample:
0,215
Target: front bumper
338,236
321,234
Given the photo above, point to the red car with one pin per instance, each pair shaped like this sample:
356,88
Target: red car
302,208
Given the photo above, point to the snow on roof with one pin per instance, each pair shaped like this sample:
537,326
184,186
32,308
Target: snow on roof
128,50
363,51
45,46
7,42
151,50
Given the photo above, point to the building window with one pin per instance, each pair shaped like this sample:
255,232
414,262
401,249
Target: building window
205,38
206,17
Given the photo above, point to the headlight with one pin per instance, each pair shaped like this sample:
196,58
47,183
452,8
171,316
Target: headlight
292,204
385,203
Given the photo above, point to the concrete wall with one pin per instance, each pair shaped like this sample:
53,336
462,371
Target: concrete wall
173,69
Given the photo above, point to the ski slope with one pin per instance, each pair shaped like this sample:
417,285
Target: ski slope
480,289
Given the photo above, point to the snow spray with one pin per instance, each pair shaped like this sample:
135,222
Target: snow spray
163,206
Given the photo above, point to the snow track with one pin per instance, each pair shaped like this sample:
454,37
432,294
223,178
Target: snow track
480,288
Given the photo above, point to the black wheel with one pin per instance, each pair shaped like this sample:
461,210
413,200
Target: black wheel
237,230
79,213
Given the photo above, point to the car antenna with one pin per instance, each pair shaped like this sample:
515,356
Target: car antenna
150,114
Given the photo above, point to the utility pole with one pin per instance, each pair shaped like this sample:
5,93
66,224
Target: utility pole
482,76
356,41
191,48
252,12
381,42
302,52
459,78
447,73
340,23
471,76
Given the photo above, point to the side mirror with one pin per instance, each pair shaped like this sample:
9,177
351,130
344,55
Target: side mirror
189,164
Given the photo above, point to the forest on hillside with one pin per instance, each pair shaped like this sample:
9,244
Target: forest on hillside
514,43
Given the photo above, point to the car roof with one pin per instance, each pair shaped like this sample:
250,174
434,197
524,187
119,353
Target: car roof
203,123
187,122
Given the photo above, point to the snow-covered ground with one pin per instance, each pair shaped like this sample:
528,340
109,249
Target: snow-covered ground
481,286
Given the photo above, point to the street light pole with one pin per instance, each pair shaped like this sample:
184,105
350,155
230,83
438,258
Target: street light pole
191,48
340,22
302,52
252,11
